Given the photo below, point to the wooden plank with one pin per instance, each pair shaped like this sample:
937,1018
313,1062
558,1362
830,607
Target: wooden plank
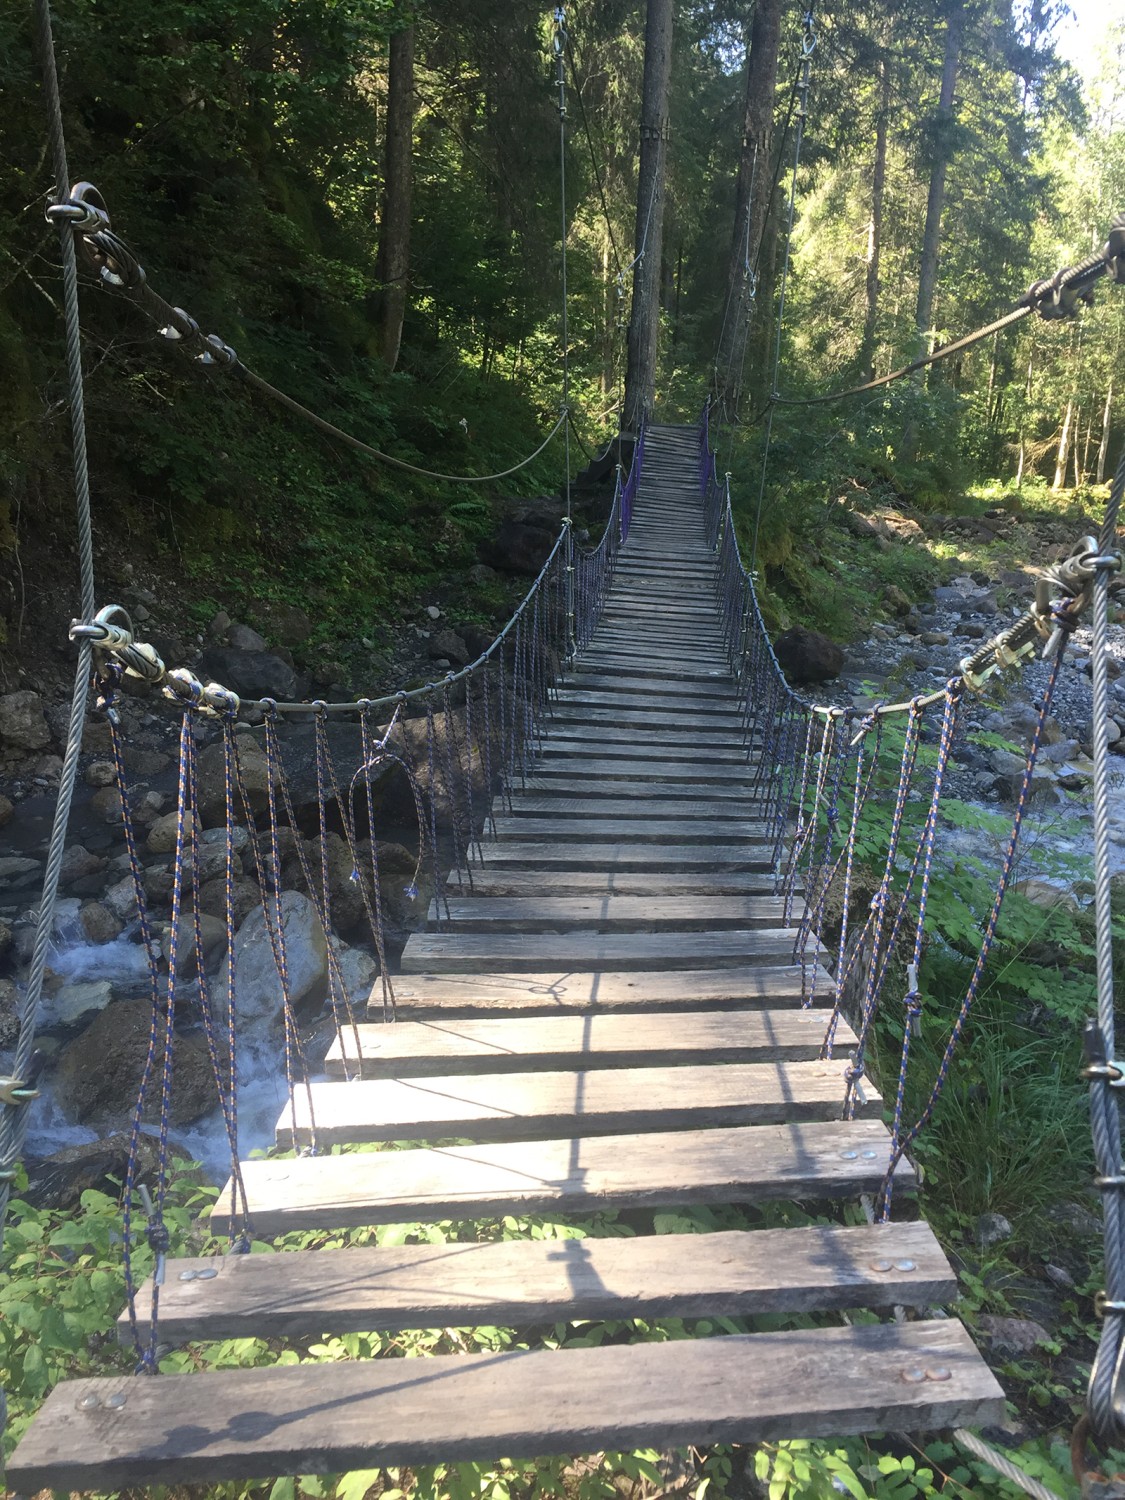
728,720
706,667
407,1049
479,913
641,740
645,750
650,830
324,1418
627,769
532,1106
729,1274
560,805
626,855
612,686
664,1169
489,881
558,784
574,992
486,952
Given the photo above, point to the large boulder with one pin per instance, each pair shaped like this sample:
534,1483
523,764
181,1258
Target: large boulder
23,725
58,1181
250,674
808,656
211,768
99,1073
257,986
519,547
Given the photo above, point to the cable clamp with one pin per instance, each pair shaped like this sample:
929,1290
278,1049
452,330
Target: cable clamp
1098,1065
15,1092
1104,1305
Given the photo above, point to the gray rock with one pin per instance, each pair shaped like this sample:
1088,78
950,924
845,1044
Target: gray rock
101,773
244,638
77,861
250,674
214,931
257,987
23,725
162,835
212,780
808,656
934,638
219,625
359,971
99,1071
992,1229
448,644
99,923
433,611
7,810
75,1004
481,575
1012,1335
121,899
17,871
213,900
1060,1276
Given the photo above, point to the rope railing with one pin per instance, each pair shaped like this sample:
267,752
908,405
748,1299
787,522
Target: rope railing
816,765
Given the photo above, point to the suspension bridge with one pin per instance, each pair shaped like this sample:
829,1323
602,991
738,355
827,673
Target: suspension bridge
610,1016
628,996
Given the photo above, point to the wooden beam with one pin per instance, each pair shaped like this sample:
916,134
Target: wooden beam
308,1293
662,1169
324,1418
531,1106
407,1049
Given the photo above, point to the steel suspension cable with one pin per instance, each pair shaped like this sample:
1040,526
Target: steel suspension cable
14,1112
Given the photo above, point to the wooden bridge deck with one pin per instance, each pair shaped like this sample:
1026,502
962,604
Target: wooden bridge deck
611,1019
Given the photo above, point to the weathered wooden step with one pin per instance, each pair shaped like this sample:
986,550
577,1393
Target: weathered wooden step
408,1049
677,721
628,854
533,1106
558,785
655,914
575,992
606,743
728,1274
487,952
629,770
679,739
561,806
590,685
746,1164
488,881
324,1418
643,668
653,829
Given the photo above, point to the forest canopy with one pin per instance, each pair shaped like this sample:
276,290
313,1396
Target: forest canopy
364,197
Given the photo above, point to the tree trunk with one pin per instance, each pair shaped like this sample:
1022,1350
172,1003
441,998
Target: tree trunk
931,236
393,266
875,228
644,323
1103,446
752,196
1064,448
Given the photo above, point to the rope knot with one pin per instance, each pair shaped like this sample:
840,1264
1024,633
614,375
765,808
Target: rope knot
158,1238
